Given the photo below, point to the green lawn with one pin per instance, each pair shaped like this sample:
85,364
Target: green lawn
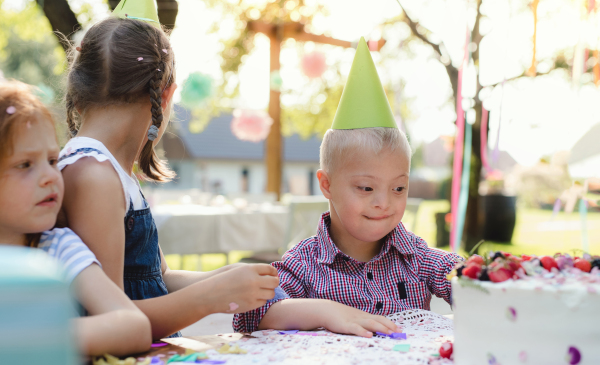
536,232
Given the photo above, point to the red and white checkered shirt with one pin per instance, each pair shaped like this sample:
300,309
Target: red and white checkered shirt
402,276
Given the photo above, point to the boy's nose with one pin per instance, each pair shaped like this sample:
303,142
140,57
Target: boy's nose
381,200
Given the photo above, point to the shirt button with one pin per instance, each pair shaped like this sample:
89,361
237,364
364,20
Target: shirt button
370,275
378,306
346,258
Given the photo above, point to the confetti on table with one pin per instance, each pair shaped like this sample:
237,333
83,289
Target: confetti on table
405,347
289,332
159,344
394,335
226,349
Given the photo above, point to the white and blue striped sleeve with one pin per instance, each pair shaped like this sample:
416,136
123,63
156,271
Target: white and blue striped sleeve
69,250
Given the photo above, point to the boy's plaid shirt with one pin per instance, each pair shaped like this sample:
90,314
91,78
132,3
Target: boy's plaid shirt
402,276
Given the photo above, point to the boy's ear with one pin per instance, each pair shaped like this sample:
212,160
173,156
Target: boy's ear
324,183
168,94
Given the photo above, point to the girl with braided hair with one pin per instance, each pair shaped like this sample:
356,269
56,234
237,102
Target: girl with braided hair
119,98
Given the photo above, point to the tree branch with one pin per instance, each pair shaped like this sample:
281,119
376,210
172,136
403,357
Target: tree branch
61,18
414,28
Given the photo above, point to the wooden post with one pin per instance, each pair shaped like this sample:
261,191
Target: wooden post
274,143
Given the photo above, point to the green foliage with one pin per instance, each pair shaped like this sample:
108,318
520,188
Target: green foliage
29,52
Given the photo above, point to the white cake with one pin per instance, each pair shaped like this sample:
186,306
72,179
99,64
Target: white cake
544,320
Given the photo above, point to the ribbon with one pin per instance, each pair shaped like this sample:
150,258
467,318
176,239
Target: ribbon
484,141
464,188
556,208
458,149
585,243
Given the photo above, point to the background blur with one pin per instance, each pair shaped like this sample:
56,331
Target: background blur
534,65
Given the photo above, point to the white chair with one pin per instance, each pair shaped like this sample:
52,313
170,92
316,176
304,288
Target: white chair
412,206
303,220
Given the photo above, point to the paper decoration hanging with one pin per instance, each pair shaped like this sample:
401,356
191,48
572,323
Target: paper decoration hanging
314,64
251,125
275,81
458,151
484,140
464,188
196,88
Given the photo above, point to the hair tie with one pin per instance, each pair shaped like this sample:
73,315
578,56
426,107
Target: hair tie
152,132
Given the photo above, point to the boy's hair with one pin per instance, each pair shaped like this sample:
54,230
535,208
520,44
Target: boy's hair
122,61
340,143
18,105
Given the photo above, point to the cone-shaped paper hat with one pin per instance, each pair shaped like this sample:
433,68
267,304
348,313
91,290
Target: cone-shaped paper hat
363,103
138,9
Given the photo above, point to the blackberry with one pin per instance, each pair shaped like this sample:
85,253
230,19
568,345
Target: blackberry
498,254
459,271
596,263
483,275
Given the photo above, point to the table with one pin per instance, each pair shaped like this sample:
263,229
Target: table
186,229
425,332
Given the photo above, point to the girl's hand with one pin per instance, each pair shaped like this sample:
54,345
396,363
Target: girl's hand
341,318
243,288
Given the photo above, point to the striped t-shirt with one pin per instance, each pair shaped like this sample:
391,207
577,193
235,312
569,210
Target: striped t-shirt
69,250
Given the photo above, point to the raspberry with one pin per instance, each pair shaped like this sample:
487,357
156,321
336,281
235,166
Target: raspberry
583,265
548,263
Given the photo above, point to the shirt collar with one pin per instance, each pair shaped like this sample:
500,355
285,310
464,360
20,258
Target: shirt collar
399,238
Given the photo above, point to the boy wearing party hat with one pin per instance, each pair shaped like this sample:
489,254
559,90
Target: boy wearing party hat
362,264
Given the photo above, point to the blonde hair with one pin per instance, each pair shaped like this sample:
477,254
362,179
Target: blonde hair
340,143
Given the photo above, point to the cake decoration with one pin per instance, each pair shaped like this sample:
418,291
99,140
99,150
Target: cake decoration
573,356
523,356
511,314
501,266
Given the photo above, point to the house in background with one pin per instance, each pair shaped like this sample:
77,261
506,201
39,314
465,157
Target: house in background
216,161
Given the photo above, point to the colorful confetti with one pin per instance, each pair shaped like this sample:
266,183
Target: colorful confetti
11,110
405,347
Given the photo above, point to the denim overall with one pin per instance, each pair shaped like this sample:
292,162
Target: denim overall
142,276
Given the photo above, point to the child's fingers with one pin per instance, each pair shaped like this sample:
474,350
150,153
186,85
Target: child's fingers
269,282
358,330
373,325
265,269
388,323
266,294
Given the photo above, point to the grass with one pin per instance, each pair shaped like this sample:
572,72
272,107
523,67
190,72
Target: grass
536,232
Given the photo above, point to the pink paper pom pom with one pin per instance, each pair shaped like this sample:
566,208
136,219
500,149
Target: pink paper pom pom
251,125
313,64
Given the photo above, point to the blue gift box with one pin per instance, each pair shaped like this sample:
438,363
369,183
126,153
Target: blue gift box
36,309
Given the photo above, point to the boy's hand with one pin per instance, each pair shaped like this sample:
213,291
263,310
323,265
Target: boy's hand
348,320
244,288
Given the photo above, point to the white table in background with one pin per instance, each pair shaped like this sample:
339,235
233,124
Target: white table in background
197,229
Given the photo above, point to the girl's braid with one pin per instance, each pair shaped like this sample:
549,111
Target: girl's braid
71,122
156,95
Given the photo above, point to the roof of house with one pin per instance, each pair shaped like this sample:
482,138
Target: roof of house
587,146
217,141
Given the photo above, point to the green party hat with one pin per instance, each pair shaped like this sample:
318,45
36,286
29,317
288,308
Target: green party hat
144,10
363,103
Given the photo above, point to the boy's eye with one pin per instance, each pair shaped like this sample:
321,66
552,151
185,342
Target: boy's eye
365,188
399,189
53,161
24,165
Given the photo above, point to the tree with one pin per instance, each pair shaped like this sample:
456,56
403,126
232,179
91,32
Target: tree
473,220
64,20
